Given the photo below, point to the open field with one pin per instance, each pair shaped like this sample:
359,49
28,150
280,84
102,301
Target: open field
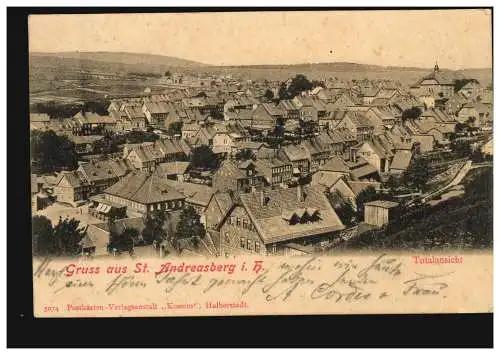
70,76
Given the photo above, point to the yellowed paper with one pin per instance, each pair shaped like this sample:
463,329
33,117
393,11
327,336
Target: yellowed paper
355,284
368,72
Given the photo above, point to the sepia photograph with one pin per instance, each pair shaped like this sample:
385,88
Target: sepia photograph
336,154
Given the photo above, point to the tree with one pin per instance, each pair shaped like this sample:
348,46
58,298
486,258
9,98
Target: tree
203,157
460,83
299,84
417,173
123,241
51,152
461,149
346,213
175,128
269,95
392,183
42,236
366,195
67,235
477,156
245,154
461,127
411,113
279,128
154,227
481,185
283,92
138,137
307,127
98,106
115,214
189,225
318,83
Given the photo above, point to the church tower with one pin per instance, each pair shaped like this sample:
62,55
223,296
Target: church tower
436,68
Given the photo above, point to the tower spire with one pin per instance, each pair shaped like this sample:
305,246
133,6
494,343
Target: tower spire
436,67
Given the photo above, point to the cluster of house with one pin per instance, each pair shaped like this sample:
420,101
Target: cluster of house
274,202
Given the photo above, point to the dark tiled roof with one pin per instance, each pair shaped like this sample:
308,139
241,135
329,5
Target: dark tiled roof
271,224
194,193
335,164
401,160
296,152
144,188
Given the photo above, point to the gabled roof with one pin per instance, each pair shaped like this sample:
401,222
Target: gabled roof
363,170
134,112
93,118
387,93
288,105
249,145
194,193
229,169
266,165
74,178
316,146
191,127
442,78
358,186
337,114
39,117
105,169
340,135
360,120
144,188
157,107
401,160
296,152
273,110
370,92
173,168
224,201
273,227
335,164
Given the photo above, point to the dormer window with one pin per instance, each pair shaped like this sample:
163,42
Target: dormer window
302,216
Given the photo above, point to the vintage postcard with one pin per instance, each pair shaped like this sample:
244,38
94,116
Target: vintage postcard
261,163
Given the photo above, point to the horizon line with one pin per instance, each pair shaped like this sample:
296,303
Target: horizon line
255,65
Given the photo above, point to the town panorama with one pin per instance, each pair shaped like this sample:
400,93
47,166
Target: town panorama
181,161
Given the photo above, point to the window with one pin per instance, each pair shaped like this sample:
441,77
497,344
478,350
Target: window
257,247
249,244
238,221
226,237
245,223
242,242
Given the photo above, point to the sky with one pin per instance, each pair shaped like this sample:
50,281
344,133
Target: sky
457,39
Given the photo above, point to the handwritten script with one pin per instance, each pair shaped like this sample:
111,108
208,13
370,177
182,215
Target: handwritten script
316,278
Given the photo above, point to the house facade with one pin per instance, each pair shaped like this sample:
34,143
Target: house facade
267,222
